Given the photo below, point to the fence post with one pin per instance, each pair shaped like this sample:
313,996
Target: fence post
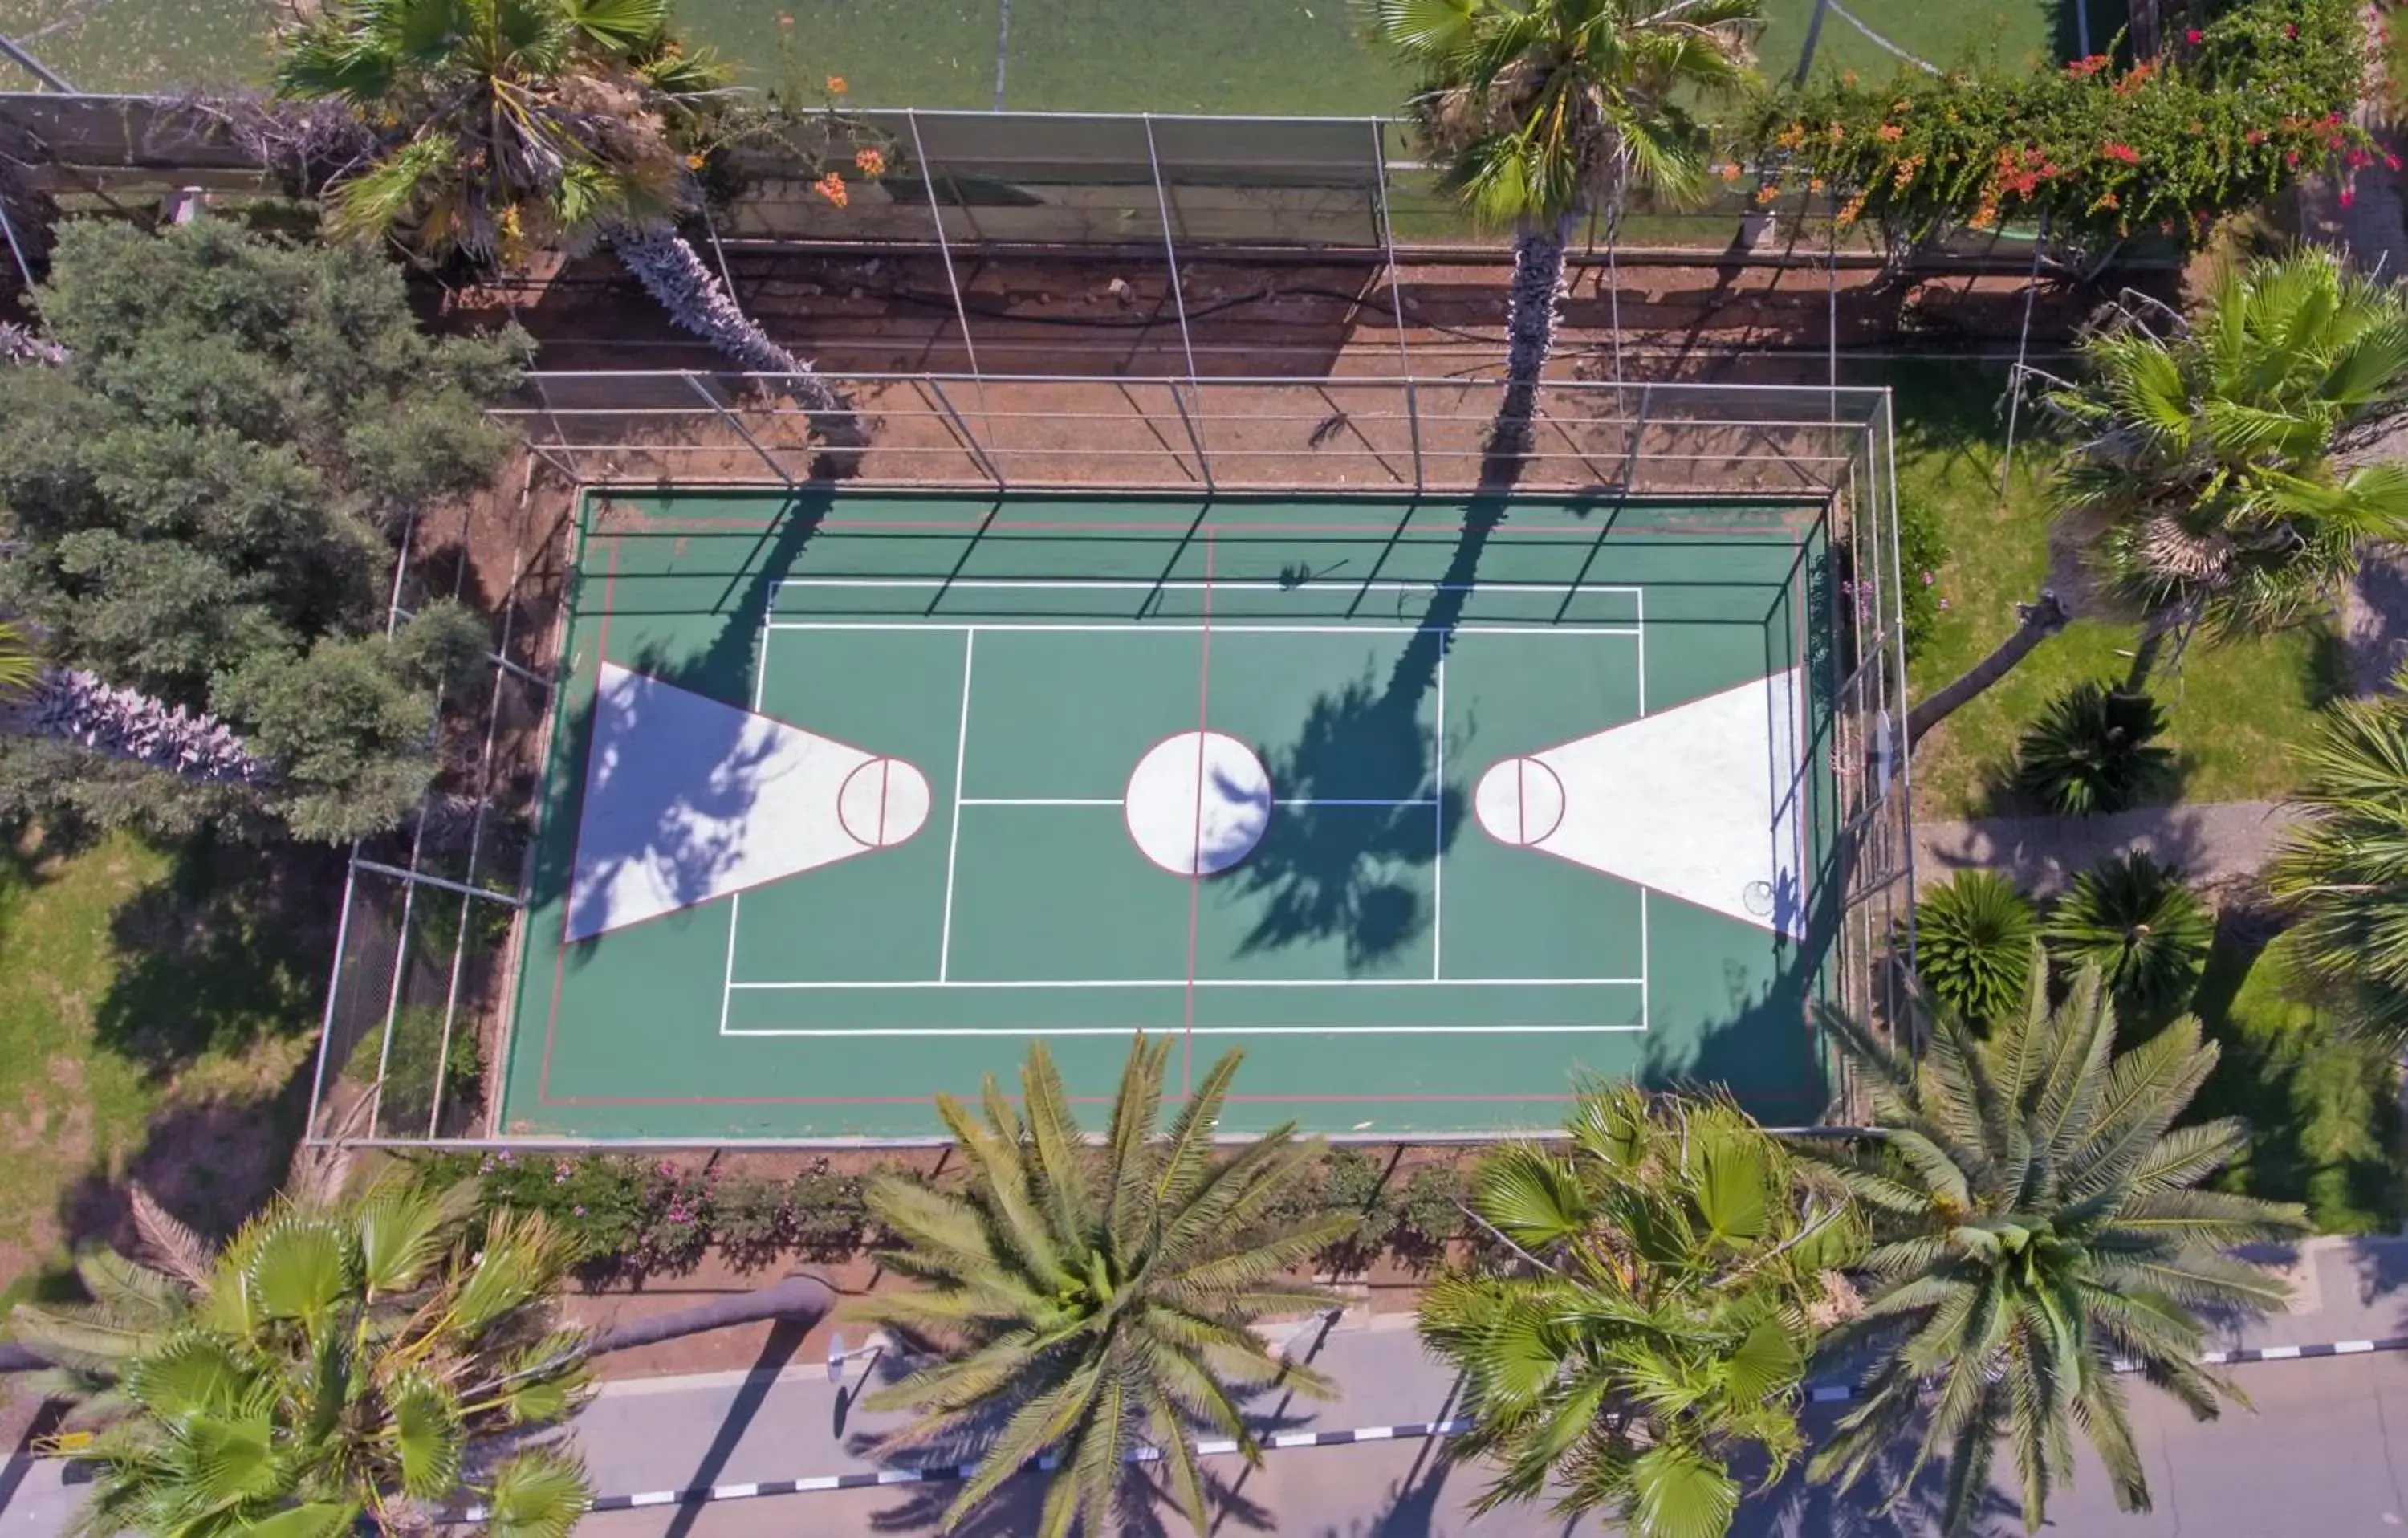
944,247
1414,421
733,420
976,453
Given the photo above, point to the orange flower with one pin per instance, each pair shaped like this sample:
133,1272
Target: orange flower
1889,133
1728,171
694,163
871,162
1767,193
831,187
835,85
785,21
1814,185
1839,135
1851,210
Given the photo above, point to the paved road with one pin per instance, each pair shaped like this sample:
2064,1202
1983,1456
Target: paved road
2324,1454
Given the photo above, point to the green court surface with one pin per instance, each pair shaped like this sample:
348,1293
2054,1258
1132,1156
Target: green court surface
851,795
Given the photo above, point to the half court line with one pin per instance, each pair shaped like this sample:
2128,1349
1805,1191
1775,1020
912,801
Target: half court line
1172,627
848,1033
1115,800
953,845
872,984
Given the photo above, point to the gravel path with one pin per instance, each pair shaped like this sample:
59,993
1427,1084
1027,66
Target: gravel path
2214,844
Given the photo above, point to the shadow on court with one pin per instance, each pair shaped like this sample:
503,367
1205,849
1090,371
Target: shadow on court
687,842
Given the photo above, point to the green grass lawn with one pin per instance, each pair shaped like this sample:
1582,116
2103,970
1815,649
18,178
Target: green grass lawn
2323,1112
157,1018
1274,57
2234,706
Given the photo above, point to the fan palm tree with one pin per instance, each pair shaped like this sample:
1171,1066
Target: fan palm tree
2344,869
1095,1302
2036,1220
334,1362
505,127
2216,454
1538,110
1670,1260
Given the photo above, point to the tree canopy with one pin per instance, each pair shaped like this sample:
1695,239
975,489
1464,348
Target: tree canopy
202,502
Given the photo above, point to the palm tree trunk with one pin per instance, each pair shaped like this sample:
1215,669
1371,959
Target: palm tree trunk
1531,326
673,273
802,1299
69,706
2041,621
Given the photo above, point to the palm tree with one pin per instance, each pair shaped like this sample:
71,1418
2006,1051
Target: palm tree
2036,1221
365,1358
2217,454
506,127
1093,1302
1670,1261
1539,111
2344,869
67,705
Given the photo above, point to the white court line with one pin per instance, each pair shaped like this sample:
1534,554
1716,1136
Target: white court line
954,846
1640,631
736,899
1646,960
1123,1032
1115,800
891,985
1191,584
1160,628
1438,838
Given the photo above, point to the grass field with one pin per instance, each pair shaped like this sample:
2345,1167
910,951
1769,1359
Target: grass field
2233,706
1280,57
152,1016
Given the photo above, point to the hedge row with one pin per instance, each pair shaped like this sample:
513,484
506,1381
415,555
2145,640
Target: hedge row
632,1217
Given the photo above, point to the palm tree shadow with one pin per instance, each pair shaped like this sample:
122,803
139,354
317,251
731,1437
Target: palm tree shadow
1153,1509
1886,1503
1326,872
690,842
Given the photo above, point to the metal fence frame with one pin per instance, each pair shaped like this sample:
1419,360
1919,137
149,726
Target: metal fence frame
1818,446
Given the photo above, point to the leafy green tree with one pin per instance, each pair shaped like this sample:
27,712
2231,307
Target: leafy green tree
1539,111
2218,452
503,127
1093,1302
360,1358
2036,1218
207,486
2344,869
1669,1259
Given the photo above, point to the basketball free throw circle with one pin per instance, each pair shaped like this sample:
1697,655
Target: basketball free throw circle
1198,803
1519,801
882,802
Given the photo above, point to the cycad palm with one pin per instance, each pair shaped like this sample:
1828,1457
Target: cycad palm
1095,1302
1656,1323
2344,870
1539,109
503,127
336,1361
2035,1219
2216,454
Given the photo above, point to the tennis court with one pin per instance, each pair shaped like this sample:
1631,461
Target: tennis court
851,795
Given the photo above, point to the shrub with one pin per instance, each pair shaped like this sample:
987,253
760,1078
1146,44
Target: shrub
409,1066
2258,102
1355,1182
751,1220
677,1207
827,1211
2094,749
1429,1210
1921,555
2144,930
1974,944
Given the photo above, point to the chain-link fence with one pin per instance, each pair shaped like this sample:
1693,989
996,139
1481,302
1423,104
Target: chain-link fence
416,1018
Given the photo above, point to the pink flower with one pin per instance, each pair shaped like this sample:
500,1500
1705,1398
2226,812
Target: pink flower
2194,36
2391,163
2348,196
2290,29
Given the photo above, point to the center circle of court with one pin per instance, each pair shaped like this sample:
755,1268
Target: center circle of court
1198,803
882,802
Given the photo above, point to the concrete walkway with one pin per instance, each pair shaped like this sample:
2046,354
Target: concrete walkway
2214,844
